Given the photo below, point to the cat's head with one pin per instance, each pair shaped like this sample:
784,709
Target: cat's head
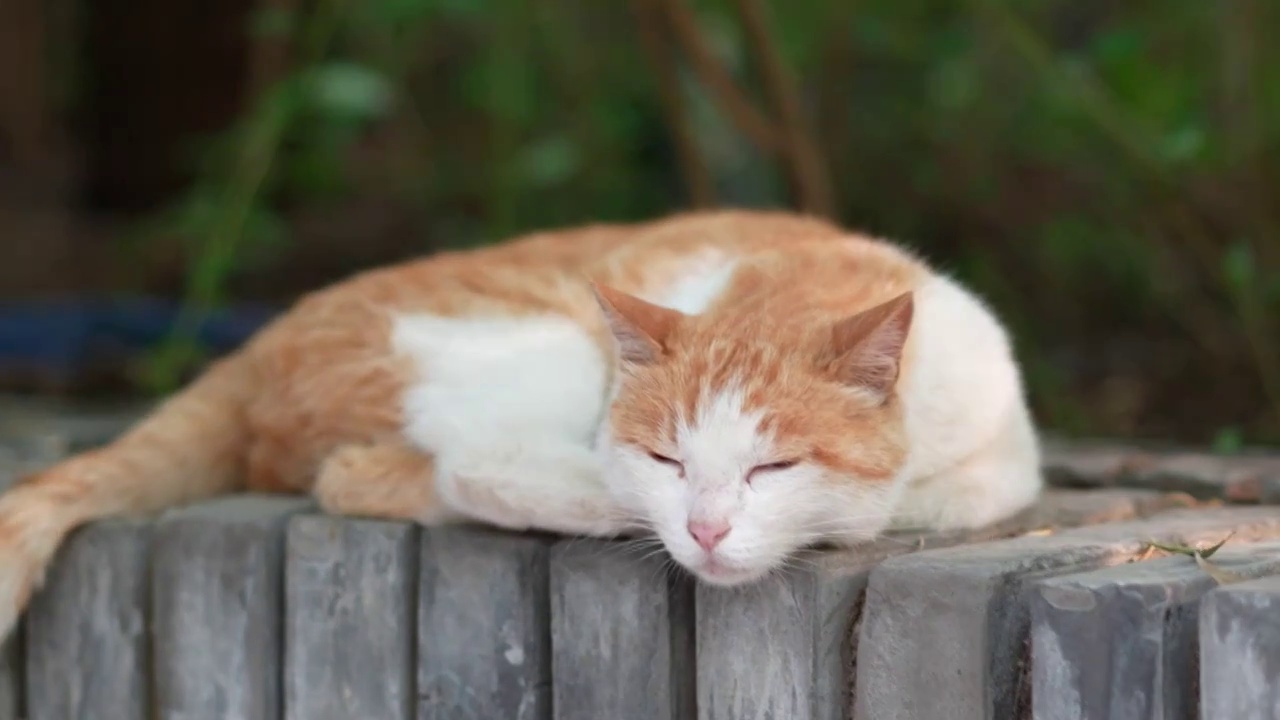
743,439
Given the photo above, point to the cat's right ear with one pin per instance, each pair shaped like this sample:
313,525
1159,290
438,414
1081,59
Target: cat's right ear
640,329
866,349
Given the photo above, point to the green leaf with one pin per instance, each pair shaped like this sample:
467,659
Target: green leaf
1118,46
463,8
1183,145
954,84
1238,267
1192,551
1228,441
272,22
551,161
397,12
1206,554
345,90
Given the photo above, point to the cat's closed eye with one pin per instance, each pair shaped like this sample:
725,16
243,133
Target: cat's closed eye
777,466
657,457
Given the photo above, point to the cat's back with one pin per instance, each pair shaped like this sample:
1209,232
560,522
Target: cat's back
337,366
533,269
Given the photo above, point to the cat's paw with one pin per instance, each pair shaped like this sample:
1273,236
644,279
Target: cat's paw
553,488
28,537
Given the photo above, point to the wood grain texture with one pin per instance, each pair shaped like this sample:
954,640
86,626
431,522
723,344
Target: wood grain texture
1126,636
786,647
12,697
1247,477
218,604
778,648
484,639
350,590
87,648
1240,652
622,632
955,623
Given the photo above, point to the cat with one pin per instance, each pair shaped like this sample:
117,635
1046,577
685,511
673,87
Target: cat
739,384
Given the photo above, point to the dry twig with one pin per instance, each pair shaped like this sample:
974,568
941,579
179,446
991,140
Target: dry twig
1201,556
697,178
717,80
812,187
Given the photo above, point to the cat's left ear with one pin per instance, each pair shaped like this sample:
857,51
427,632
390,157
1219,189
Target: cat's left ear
640,329
866,349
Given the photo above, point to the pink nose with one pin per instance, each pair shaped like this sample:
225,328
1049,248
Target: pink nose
709,533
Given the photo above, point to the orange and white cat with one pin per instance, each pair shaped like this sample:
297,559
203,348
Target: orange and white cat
741,384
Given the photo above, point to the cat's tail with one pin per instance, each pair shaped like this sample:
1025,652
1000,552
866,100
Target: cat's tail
192,446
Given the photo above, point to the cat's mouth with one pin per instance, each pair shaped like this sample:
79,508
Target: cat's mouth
716,571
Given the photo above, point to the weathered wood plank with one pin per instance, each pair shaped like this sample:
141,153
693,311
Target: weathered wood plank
217,608
484,639
1240,652
1123,639
12,698
350,589
777,648
65,426
954,623
1244,478
622,634
87,648
785,647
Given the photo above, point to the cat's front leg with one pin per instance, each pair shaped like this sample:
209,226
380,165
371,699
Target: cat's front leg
549,486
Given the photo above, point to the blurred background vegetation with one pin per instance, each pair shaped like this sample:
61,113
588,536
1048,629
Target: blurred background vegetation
1102,172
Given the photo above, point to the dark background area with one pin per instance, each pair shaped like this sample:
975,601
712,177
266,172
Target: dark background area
1103,173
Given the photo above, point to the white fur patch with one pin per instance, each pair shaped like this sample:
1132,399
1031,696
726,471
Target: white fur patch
509,408
702,281
974,453
490,381
722,442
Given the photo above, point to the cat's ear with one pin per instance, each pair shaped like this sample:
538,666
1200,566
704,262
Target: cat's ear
866,349
639,328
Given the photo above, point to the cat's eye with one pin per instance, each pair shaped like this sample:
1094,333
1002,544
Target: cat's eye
666,460
772,467
776,466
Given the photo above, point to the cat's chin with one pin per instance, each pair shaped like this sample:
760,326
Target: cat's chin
714,572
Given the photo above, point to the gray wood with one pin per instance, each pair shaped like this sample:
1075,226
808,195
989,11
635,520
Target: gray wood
12,698
1247,477
1121,641
622,634
484,640
79,426
217,606
777,649
25,453
945,633
1240,652
86,638
785,647
349,619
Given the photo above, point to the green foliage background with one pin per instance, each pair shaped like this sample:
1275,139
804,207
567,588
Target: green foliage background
1102,172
